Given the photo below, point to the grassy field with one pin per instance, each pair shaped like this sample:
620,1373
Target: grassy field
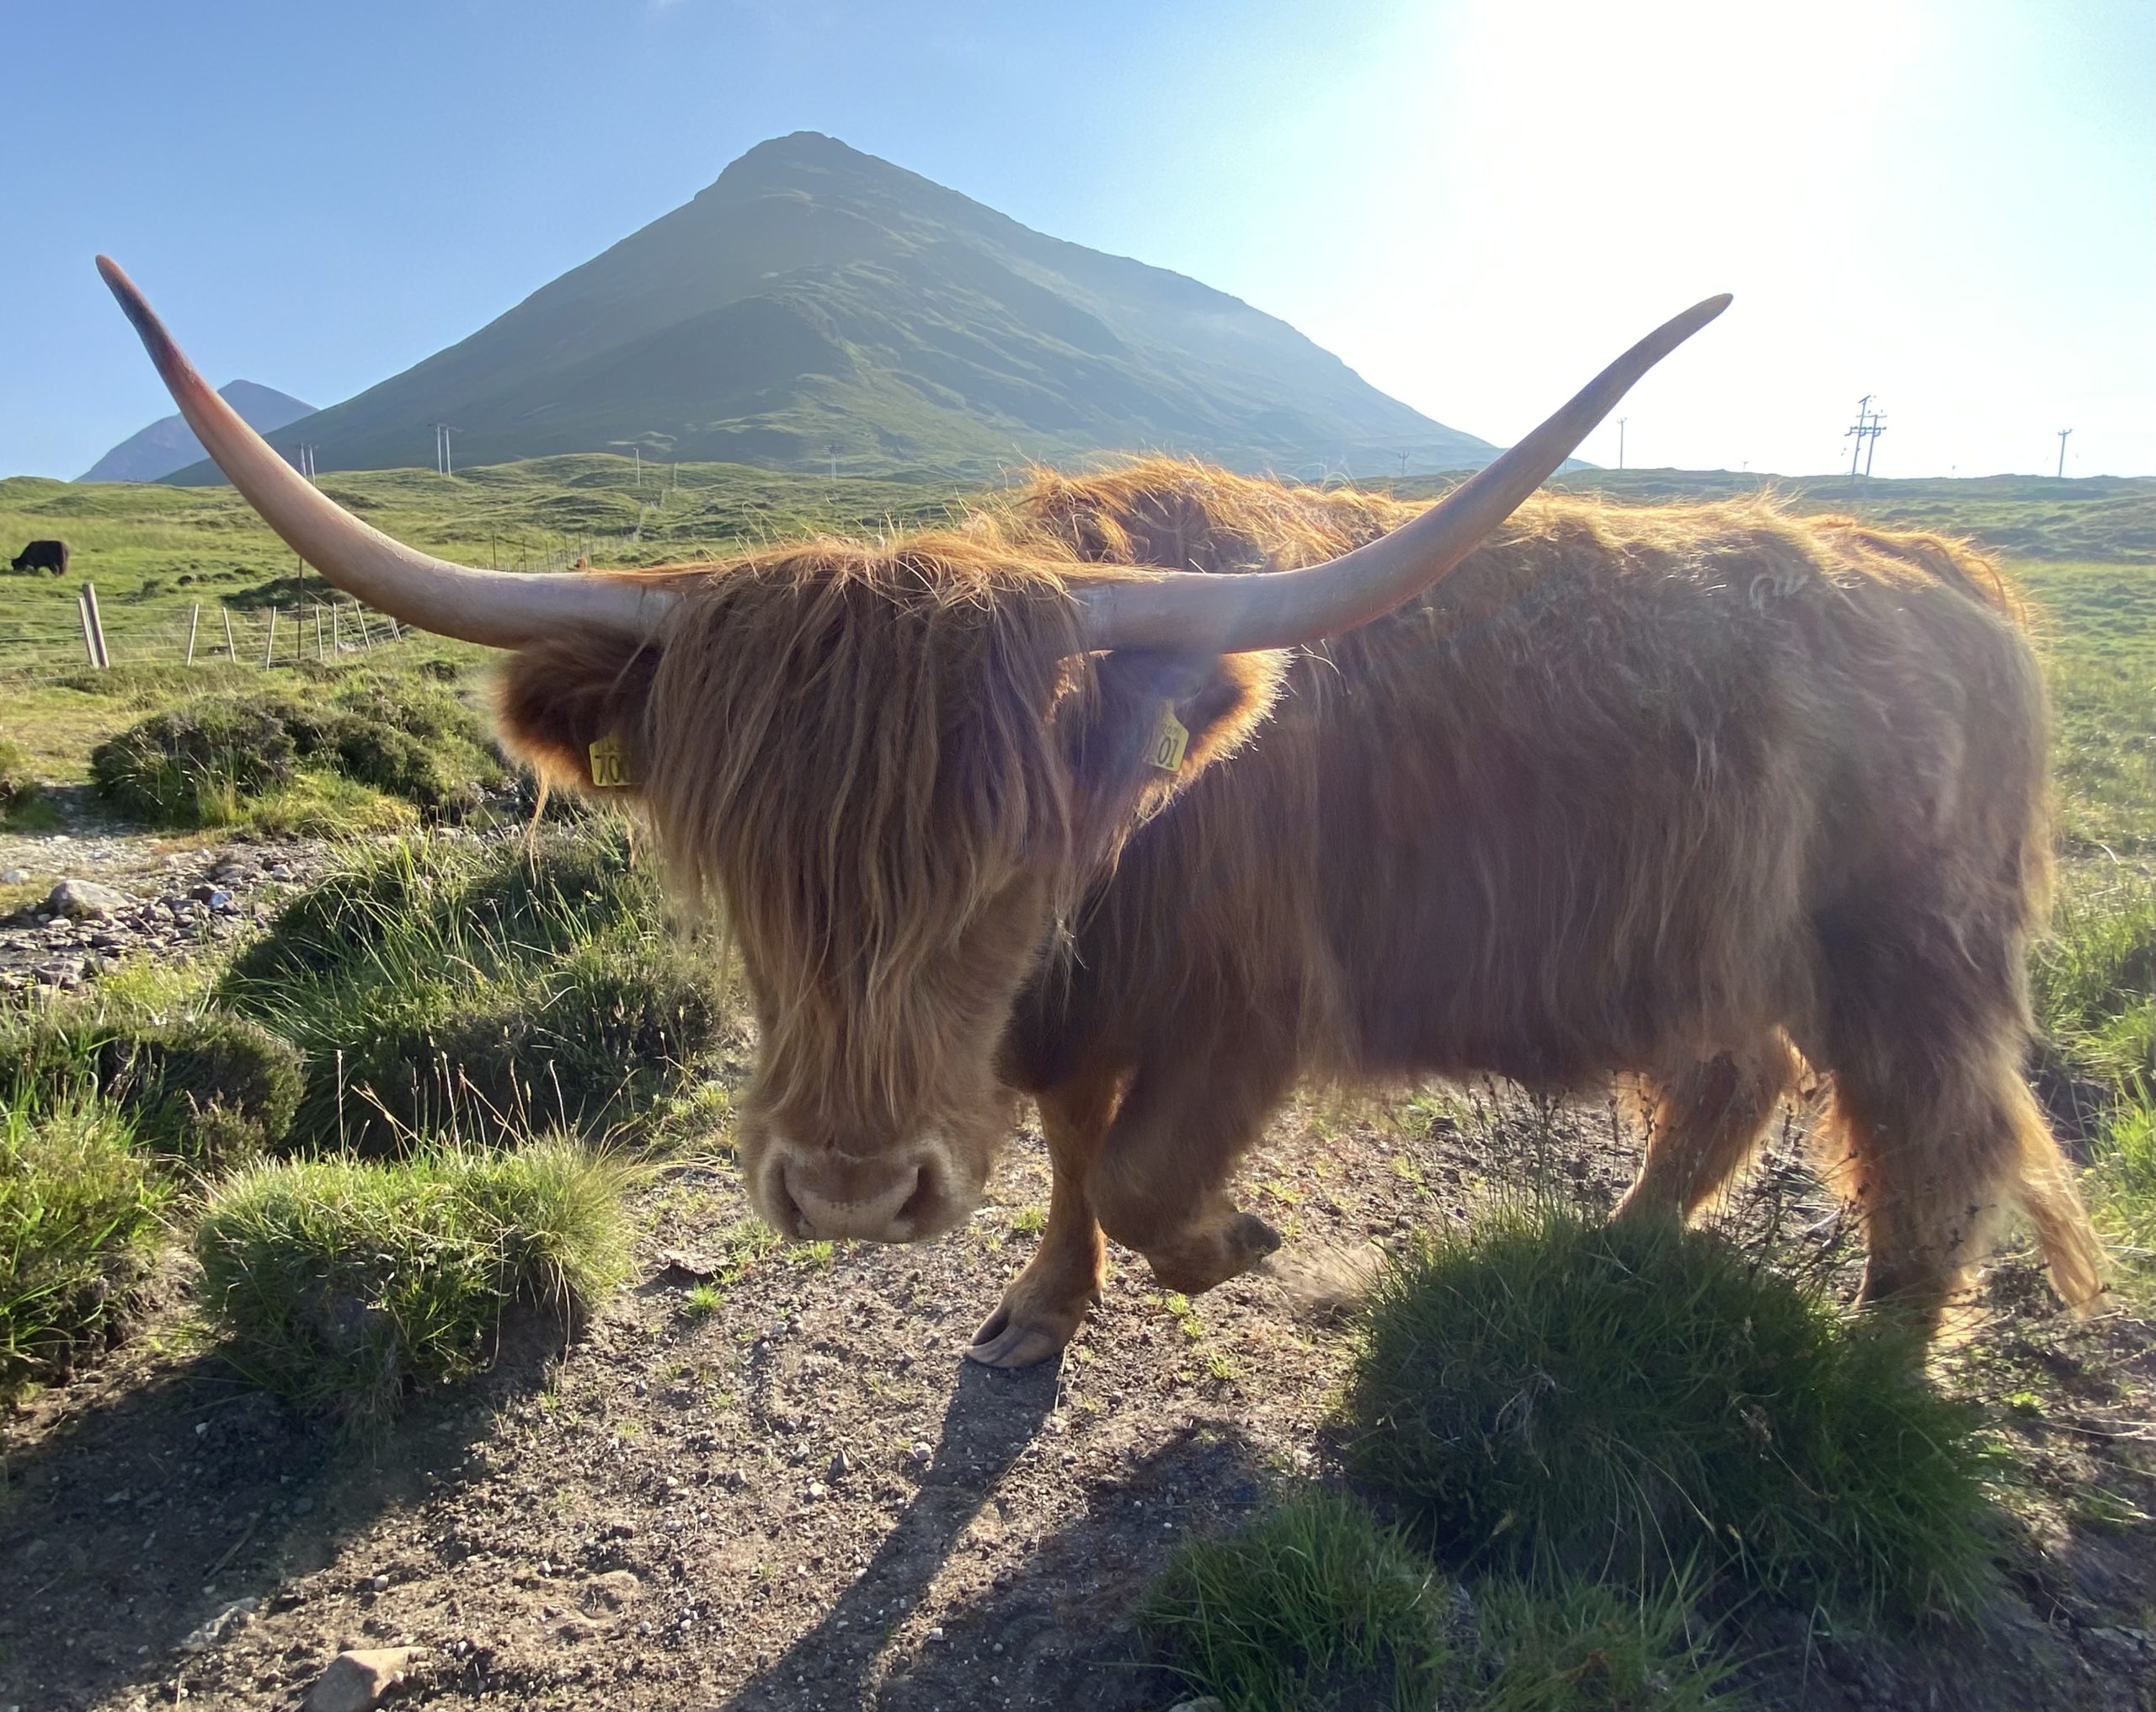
402,1108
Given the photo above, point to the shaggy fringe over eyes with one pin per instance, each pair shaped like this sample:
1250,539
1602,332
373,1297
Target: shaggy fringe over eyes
846,740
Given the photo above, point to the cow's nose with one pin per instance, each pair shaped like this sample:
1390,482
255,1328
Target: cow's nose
898,1207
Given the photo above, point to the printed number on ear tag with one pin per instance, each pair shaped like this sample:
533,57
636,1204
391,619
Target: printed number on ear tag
1170,738
610,763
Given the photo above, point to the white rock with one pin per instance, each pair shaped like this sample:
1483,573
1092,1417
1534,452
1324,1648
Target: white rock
86,900
356,1681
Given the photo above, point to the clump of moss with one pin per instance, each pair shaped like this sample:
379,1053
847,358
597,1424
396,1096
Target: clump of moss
223,759
18,785
199,1087
476,991
1546,1394
1314,1605
79,1213
1319,1606
341,1284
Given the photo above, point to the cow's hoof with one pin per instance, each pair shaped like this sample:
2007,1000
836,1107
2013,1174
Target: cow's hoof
1199,1262
1008,1341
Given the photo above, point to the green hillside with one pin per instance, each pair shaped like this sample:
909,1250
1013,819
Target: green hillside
815,297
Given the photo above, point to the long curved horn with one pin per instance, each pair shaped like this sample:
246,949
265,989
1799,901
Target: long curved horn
498,608
1238,612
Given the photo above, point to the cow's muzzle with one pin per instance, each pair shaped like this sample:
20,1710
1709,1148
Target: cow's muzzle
826,1194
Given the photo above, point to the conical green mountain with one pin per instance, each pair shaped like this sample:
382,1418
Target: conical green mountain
814,297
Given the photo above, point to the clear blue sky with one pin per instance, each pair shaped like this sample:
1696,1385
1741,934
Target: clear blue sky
1946,203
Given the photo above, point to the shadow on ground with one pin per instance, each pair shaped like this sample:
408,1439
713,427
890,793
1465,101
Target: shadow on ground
1055,1632
138,1528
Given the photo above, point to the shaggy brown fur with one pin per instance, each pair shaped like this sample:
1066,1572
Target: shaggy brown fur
1682,792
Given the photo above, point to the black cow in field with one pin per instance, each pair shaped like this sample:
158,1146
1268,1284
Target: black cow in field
41,556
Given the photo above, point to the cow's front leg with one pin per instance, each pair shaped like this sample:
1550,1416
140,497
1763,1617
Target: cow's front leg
1046,1302
1160,1185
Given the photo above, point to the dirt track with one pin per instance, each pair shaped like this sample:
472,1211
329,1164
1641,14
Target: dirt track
808,1499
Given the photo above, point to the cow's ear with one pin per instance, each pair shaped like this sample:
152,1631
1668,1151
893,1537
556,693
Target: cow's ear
1155,720
576,710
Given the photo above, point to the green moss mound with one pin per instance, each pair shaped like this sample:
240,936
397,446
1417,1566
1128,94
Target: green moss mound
1318,1606
1315,1606
1546,1394
205,1089
79,1214
477,991
214,761
342,1285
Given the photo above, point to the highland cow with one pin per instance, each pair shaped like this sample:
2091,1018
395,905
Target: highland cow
1148,795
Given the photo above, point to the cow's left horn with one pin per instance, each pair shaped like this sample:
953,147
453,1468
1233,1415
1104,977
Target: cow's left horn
499,608
1237,612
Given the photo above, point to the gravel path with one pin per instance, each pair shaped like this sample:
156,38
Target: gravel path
167,898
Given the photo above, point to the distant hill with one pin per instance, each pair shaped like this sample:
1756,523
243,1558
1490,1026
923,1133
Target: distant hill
168,444
814,296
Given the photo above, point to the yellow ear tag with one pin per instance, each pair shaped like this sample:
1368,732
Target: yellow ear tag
610,763
1170,738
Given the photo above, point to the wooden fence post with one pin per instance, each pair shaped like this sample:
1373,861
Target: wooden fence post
99,657
336,631
194,619
270,648
359,618
320,653
90,639
231,648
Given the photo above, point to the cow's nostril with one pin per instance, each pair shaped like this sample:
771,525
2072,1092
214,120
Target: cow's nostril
922,1202
791,1220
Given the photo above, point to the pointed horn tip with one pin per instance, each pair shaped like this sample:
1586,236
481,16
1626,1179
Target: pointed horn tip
163,352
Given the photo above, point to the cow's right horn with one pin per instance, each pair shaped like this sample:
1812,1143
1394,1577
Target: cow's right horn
498,608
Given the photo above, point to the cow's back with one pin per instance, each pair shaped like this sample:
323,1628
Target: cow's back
1587,806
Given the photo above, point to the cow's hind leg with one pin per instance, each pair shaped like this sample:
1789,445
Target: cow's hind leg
1932,1154
1046,1302
1705,1126
1935,1133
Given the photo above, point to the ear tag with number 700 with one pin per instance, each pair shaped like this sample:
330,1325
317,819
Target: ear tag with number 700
610,763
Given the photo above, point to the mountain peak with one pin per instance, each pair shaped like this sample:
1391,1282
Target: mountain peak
815,302
166,445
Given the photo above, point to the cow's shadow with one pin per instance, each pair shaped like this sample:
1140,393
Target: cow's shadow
145,1514
1055,1632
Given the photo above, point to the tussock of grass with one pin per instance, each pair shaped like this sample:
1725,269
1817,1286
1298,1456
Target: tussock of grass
1579,1646
1546,1394
78,1214
342,1285
1315,1605
473,991
2094,984
278,755
18,785
198,1087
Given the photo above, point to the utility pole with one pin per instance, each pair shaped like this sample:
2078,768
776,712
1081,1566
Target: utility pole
448,457
1403,466
1621,421
832,449
1869,425
2062,434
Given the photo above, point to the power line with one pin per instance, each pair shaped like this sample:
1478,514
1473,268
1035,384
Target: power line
1869,425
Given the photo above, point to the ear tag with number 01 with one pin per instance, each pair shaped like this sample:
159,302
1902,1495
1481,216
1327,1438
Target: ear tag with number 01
610,763
1170,738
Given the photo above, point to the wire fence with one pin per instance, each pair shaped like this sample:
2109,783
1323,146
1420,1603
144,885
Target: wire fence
57,632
